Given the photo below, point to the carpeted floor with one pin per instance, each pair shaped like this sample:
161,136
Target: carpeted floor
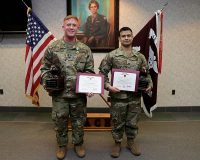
167,136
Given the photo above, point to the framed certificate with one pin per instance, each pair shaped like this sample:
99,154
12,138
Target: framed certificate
90,83
125,80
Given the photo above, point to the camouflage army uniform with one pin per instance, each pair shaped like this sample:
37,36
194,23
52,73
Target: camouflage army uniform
70,58
125,106
96,28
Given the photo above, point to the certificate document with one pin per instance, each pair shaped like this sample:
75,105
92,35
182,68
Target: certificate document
125,80
90,83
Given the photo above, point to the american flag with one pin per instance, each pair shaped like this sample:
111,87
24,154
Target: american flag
37,39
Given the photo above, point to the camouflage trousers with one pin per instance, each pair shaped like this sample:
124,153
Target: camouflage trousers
124,117
63,109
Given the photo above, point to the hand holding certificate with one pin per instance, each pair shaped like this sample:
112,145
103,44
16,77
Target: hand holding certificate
126,80
90,83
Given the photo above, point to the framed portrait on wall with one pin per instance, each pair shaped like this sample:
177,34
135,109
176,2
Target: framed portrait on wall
99,22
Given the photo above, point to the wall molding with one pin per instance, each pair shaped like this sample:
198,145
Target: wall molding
97,110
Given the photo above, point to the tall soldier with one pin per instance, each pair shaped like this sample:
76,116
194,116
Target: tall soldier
67,57
125,105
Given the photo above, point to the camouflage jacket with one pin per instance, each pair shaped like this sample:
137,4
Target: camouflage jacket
118,59
70,58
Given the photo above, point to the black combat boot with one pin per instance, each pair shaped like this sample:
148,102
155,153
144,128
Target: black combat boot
61,152
116,150
133,147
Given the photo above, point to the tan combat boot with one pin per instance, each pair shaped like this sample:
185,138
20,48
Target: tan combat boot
133,147
116,150
61,152
79,150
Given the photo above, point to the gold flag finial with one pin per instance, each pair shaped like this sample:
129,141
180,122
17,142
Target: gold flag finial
28,8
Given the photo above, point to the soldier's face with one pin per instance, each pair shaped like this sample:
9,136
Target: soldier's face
70,27
93,8
126,38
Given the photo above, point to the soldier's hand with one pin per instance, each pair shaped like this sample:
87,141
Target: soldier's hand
149,91
113,89
90,94
144,69
143,72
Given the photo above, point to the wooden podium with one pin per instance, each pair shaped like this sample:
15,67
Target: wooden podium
97,122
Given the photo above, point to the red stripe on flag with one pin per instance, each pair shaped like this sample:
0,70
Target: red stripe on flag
37,67
27,50
27,78
36,84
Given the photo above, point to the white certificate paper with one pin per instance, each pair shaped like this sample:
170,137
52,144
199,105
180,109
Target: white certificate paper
90,83
125,80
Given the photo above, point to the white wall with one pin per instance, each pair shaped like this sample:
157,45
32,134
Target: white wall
180,53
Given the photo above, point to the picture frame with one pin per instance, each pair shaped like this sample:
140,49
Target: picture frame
99,33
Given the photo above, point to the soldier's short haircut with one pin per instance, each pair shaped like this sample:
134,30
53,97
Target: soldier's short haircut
95,2
71,16
124,29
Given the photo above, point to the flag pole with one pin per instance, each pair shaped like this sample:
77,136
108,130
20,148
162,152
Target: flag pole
164,6
160,13
28,8
105,100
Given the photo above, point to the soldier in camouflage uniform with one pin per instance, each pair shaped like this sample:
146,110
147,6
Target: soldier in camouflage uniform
125,106
71,57
95,29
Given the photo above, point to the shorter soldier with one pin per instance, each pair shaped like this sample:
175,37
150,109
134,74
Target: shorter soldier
95,27
125,105
62,61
